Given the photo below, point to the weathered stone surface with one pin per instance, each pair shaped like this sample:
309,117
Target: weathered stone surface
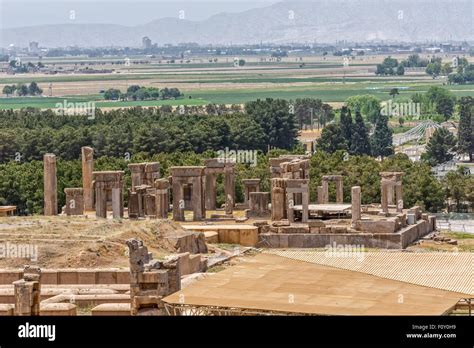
258,204
294,229
376,226
87,156
316,223
74,201
281,223
355,204
50,185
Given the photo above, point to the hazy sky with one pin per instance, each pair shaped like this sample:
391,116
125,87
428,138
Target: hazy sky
20,13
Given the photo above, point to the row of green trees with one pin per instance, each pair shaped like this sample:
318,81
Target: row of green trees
29,133
22,90
136,92
390,66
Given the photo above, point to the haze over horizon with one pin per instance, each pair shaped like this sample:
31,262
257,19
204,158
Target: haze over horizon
25,13
107,23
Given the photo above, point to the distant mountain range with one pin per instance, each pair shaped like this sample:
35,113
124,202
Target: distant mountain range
307,21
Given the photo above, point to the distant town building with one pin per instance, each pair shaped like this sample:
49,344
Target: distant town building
33,47
146,42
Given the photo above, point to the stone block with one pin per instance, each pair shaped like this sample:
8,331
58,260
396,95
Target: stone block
86,277
111,309
7,310
67,277
296,240
58,309
8,277
294,229
123,277
49,276
316,223
211,237
249,237
106,277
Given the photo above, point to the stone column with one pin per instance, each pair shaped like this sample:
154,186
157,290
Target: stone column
399,196
320,195
162,198
210,194
117,203
278,199
229,189
390,195
141,192
325,191
178,201
196,197
137,174
305,203
133,206
339,191
150,203
100,199
258,203
289,209
50,185
74,201
384,198
87,154
356,204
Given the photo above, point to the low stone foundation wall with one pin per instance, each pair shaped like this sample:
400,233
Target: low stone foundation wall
244,235
72,276
397,240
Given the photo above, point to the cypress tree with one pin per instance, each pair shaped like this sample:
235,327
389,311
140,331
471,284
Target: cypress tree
466,130
381,141
360,144
345,122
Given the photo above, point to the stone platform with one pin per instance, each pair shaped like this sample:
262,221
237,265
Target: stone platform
244,235
396,240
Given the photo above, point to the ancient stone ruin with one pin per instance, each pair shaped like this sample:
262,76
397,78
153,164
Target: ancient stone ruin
391,182
50,185
193,179
108,186
28,292
144,173
150,280
250,185
213,168
87,155
323,191
74,201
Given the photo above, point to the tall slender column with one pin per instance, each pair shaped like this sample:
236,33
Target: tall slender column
339,191
356,203
50,185
325,191
210,182
87,154
399,196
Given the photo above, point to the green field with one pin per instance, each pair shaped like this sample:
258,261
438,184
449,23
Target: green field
332,93
221,83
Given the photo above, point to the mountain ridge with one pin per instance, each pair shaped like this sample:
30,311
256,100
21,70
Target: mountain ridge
321,21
